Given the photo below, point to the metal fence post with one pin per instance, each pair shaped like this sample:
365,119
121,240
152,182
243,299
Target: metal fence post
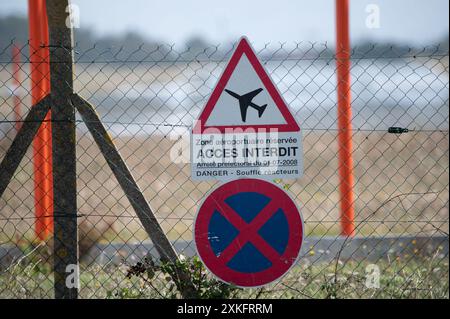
344,115
64,157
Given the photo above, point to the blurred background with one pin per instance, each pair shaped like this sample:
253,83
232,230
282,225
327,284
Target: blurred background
200,23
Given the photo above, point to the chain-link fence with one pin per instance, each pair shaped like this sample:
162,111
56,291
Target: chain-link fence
148,98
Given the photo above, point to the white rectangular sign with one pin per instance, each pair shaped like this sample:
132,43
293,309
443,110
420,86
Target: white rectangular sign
230,156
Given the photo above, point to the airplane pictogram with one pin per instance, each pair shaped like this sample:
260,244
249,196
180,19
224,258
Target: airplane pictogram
245,101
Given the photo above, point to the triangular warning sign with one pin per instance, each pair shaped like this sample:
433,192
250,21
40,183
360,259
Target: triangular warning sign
245,97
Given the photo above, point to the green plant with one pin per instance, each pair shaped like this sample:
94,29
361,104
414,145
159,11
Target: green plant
124,293
205,286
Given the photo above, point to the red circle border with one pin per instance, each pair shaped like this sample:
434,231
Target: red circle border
287,259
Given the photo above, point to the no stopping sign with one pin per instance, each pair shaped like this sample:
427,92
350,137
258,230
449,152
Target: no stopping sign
248,232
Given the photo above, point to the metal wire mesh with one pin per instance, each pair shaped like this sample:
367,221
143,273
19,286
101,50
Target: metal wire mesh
148,98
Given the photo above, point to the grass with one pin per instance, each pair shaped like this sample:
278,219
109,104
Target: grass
400,278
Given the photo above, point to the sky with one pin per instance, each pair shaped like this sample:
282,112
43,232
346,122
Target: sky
415,22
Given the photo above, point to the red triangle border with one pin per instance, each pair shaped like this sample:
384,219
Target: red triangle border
245,48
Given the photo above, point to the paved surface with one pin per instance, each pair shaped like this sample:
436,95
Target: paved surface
314,249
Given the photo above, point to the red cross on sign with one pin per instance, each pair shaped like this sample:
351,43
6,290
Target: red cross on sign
248,232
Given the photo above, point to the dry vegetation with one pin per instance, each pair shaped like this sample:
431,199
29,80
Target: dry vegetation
399,278
401,186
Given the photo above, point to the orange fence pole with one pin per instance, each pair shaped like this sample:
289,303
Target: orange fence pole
42,144
344,117
17,99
